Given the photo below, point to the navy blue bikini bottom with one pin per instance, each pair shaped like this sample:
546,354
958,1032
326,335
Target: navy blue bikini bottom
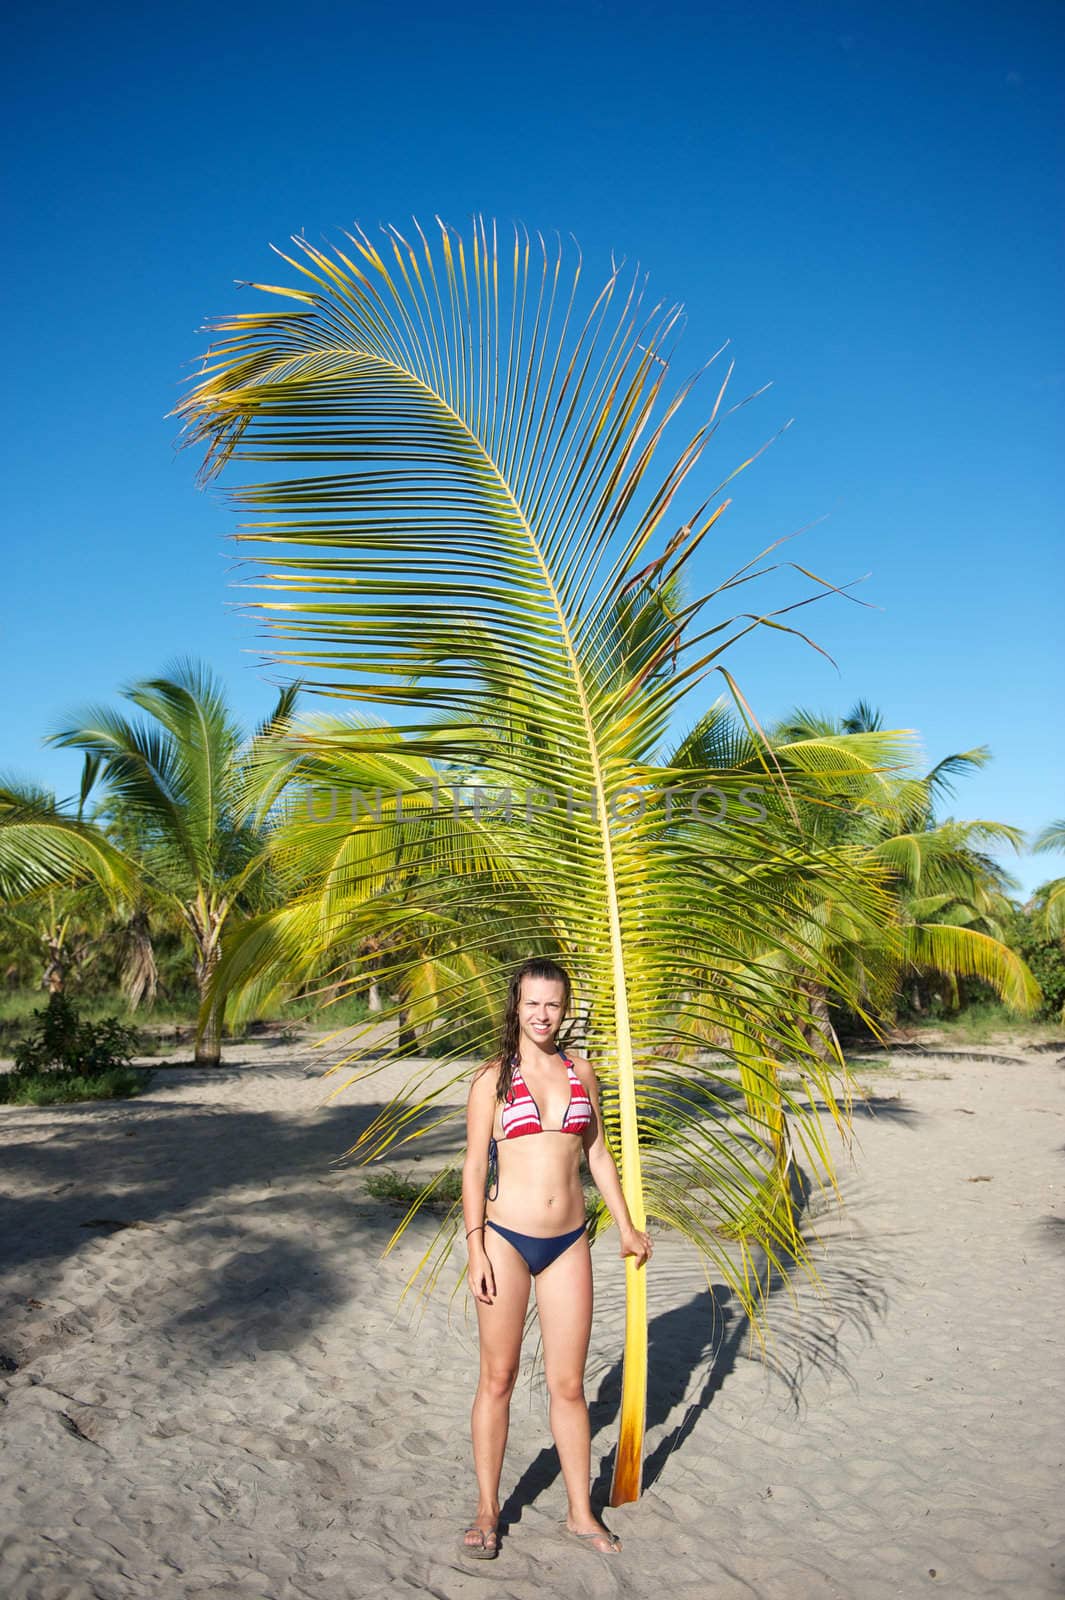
535,1252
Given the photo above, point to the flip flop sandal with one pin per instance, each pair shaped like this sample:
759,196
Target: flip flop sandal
483,1551
597,1533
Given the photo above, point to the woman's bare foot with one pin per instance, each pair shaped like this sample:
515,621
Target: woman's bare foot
592,1533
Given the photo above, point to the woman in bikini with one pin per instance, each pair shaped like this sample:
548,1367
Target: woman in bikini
532,1226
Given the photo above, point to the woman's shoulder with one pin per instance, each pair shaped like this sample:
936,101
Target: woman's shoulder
583,1068
486,1073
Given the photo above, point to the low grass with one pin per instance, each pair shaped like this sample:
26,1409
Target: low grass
342,1013
388,1185
400,1191
18,1005
865,1064
55,1088
985,1022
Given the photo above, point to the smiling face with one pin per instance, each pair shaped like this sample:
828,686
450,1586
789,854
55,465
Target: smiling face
540,1009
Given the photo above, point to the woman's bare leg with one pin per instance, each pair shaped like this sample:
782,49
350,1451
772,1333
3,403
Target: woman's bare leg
564,1301
500,1326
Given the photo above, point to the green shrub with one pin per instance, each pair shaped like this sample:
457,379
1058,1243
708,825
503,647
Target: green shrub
64,1058
1026,933
61,1041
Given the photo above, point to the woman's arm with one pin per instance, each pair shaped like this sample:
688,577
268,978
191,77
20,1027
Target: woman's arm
480,1116
604,1172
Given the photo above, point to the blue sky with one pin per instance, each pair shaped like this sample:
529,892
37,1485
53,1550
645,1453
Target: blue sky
866,199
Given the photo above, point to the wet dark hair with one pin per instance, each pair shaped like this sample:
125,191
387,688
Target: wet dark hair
536,967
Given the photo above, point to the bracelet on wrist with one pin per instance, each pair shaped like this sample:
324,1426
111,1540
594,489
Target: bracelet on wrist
475,1230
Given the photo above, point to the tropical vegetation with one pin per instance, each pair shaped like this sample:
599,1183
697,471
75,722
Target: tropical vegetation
481,539
175,789
1052,894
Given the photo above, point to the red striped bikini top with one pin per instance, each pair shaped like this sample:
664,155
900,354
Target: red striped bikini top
521,1114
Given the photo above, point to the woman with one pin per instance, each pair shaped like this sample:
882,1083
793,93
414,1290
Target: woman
533,1227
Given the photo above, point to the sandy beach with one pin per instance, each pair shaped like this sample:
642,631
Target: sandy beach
208,1388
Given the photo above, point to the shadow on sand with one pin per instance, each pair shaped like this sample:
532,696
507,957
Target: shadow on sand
144,1171
218,1173
699,1342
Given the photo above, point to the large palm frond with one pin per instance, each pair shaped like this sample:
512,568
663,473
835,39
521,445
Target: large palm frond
1052,837
966,952
477,530
41,844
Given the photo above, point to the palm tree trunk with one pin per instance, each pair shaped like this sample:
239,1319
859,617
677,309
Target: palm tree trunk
209,1041
57,964
209,1035
370,949
817,1025
408,1037
55,971
140,974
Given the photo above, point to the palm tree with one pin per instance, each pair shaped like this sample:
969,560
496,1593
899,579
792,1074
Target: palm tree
950,895
64,925
471,530
178,782
1052,894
